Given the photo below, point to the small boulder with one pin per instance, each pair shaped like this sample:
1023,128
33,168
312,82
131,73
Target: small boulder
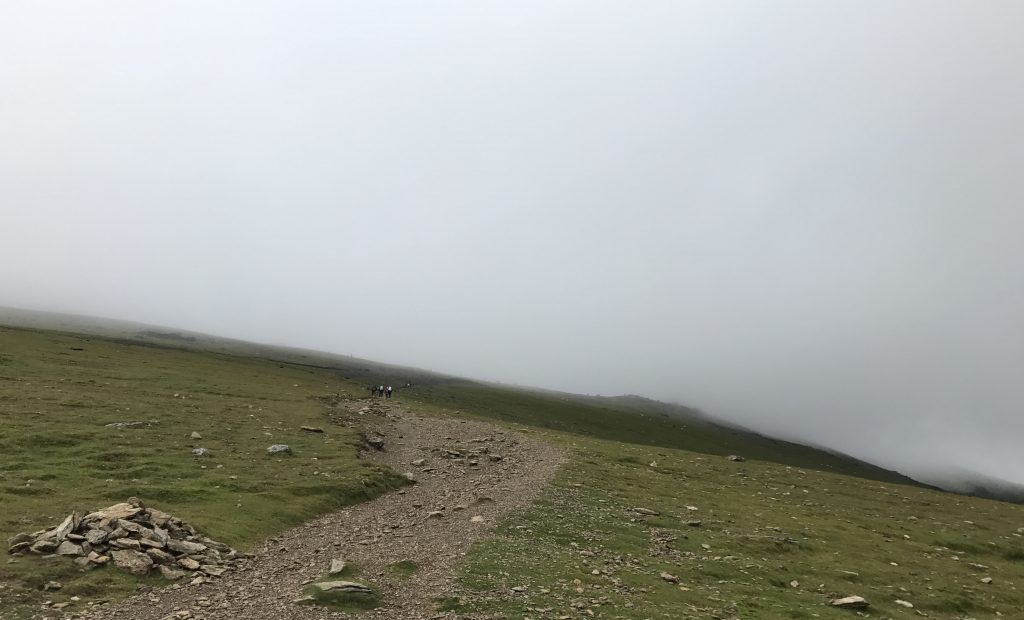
736,457
171,574
348,587
312,429
195,435
279,448
132,561
850,602
669,578
200,452
68,548
337,567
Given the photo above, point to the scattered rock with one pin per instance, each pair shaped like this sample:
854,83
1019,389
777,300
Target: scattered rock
435,514
646,512
419,462
986,580
195,435
794,584
736,457
903,603
375,441
52,586
669,578
279,448
477,519
200,452
312,429
850,602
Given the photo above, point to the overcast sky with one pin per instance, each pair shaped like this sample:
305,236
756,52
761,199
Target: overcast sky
807,217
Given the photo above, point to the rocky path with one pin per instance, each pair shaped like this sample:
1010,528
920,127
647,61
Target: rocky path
468,476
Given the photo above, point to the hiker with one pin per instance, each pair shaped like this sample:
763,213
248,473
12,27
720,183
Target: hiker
373,390
389,391
380,390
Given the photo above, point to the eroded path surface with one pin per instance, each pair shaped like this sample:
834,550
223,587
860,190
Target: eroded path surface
509,470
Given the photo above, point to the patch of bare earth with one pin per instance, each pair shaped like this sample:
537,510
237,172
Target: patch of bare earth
472,474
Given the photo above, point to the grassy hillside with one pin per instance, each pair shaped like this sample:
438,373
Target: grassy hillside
632,420
778,534
751,540
58,393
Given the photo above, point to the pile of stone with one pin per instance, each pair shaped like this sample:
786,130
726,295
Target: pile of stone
136,538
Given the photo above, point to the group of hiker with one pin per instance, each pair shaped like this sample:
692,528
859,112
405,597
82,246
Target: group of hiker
380,390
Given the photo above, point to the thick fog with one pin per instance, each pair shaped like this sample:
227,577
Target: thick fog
804,217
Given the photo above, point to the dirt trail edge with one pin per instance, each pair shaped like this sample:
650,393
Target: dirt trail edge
430,524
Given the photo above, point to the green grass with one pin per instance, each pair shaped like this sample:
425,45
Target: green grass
403,569
765,525
57,393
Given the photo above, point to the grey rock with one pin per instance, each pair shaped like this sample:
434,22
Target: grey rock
160,534
160,556
52,586
200,452
195,435
68,548
171,574
126,543
134,528
44,546
68,525
850,602
337,567
348,587
189,563
184,546
279,448
18,539
132,561
736,457
312,429
134,424
96,537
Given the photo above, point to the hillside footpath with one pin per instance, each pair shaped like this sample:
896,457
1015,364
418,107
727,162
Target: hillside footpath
405,544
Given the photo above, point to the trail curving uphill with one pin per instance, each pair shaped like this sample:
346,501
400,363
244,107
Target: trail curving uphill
375,535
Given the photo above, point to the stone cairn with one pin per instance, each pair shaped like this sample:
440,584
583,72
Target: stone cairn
138,540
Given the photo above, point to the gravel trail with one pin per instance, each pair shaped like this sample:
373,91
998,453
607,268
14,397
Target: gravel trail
509,470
